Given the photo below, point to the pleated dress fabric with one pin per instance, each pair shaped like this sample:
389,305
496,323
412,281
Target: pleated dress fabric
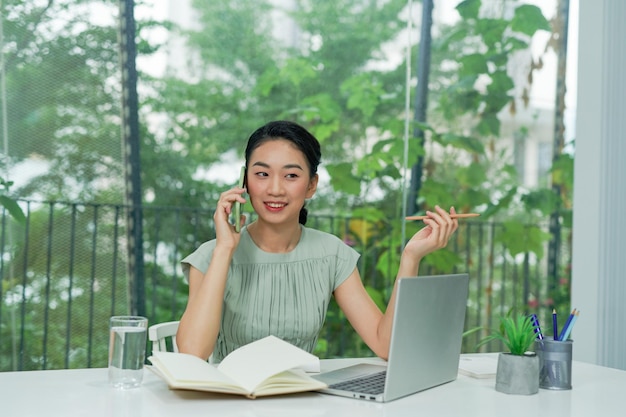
280,294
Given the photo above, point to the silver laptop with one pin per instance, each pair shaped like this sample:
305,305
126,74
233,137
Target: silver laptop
425,343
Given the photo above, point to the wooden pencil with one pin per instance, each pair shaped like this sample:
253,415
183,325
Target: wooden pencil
454,216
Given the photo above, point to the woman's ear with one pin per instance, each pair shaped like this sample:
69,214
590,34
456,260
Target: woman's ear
312,186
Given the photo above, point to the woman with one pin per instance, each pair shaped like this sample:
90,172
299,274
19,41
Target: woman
277,276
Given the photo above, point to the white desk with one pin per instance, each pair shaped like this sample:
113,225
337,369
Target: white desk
597,391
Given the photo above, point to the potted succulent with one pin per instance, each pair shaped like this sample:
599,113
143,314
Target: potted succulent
518,369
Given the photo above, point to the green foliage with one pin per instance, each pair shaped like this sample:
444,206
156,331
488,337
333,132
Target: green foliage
469,9
363,93
563,180
67,295
64,92
521,238
464,120
342,178
9,203
528,20
543,200
516,331
242,78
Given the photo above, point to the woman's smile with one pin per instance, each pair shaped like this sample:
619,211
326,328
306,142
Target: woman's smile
275,206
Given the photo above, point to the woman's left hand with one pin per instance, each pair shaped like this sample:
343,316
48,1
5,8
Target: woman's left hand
439,228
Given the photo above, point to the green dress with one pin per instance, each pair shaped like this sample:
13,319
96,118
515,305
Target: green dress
280,294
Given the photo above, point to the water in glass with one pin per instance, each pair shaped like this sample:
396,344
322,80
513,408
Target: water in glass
126,356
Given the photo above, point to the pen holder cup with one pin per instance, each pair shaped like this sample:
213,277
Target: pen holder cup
555,363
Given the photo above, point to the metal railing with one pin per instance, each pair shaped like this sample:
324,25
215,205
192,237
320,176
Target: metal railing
64,272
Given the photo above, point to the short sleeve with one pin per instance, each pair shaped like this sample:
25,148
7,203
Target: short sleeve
347,259
199,259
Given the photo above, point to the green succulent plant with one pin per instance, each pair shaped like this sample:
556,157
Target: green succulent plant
516,331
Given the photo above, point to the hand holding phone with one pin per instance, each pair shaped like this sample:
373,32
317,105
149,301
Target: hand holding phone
237,216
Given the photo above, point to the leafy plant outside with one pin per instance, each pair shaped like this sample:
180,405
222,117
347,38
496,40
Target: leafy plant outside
9,203
210,117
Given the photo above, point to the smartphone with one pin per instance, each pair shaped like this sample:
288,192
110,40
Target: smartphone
237,216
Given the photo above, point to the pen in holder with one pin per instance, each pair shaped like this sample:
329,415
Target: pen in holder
555,363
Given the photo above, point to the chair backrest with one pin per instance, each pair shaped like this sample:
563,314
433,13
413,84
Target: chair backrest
159,333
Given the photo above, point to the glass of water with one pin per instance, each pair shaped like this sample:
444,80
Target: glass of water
127,350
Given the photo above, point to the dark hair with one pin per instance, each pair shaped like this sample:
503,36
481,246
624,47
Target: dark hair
297,135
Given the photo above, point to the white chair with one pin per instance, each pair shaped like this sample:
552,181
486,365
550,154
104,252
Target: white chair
160,333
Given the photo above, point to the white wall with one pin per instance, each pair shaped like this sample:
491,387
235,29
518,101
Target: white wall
599,246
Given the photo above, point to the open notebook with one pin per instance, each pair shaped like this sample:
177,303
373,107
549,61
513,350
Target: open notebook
425,343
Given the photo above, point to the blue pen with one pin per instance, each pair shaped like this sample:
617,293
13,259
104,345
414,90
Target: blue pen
536,327
569,319
571,325
555,327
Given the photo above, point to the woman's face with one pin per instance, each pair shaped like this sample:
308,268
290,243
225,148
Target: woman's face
279,181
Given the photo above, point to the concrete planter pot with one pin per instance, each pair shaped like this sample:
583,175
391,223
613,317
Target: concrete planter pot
517,374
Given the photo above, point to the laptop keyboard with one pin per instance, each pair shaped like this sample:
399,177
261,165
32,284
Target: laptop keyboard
371,384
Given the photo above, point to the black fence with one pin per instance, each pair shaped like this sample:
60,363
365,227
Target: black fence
64,272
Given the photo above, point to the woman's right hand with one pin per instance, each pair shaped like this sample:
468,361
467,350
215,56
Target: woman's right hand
225,234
